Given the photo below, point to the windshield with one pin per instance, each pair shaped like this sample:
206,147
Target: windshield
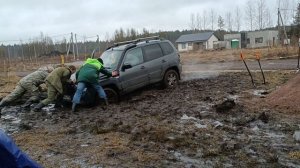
111,58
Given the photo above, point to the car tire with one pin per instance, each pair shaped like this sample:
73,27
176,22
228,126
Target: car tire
170,79
112,95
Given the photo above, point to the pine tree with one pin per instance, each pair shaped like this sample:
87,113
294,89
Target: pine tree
220,23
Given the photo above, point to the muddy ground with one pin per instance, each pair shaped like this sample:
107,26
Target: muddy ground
221,121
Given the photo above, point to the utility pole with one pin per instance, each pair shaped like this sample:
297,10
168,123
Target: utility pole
285,41
22,51
98,40
34,53
74,53
84,39
69,47
76,46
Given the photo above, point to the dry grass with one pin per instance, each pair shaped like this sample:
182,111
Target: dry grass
9,76
8,83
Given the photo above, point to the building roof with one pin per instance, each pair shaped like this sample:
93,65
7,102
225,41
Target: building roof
194,37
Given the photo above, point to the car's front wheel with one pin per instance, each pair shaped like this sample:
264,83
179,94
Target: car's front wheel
112,95
171,79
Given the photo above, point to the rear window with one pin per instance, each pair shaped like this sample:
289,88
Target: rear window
152,52
167,48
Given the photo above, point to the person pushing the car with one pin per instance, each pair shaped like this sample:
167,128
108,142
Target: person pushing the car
56,82
29,84
88,76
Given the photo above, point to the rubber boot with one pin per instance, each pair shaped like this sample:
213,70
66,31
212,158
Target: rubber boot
27,104
38,107
105,105
3,103
106,102
74,107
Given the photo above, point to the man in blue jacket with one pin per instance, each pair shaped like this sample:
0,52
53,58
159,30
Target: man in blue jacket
12,156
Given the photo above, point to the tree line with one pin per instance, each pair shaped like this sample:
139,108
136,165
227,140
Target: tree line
43,45
254,15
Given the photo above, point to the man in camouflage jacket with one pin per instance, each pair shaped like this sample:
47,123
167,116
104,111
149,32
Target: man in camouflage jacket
55,82
29,84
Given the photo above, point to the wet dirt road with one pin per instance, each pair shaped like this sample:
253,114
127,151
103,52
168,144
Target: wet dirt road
276,64
191,125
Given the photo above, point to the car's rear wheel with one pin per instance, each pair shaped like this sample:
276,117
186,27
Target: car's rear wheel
112,95
171,79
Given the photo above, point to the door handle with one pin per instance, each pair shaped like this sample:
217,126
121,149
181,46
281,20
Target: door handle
142,67
163,61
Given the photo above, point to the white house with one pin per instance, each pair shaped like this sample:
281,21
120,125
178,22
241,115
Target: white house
196,41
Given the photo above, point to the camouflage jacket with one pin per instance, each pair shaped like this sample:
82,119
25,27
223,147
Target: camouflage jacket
33,80
58,77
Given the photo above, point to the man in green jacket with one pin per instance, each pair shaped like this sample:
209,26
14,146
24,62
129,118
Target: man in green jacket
88,75
55,82
29,84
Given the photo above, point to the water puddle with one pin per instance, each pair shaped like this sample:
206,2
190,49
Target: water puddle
260,93
190,162
199,75
10,119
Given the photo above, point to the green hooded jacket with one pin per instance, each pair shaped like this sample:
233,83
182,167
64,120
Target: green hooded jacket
89,72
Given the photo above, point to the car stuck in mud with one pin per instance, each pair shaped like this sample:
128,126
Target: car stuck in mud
139,63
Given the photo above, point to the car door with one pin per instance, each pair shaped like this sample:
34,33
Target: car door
135,74
153,56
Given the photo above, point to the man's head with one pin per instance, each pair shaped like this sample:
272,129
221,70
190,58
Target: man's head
100,60
50,68
72,68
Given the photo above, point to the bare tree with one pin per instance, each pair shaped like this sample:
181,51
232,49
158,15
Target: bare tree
238,18
212,18
285,11
198,22
269,19
250,10
229,21
261,14
204,20
192,21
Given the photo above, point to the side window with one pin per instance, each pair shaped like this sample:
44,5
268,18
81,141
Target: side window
167,48
259,40
134,57
152,52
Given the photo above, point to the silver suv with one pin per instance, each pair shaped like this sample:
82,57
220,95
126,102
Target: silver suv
139,63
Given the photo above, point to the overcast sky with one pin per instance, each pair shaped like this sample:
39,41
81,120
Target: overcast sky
25,19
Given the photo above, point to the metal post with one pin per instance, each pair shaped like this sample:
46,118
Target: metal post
298,68
69,46
241,54
258,60
74,53
98,40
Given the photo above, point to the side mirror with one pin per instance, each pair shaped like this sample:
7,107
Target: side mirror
126,66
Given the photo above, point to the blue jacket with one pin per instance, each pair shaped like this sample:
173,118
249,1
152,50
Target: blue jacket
11,156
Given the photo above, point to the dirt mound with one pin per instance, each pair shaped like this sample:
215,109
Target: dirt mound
287,97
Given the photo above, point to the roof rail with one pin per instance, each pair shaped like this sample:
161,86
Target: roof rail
137,40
